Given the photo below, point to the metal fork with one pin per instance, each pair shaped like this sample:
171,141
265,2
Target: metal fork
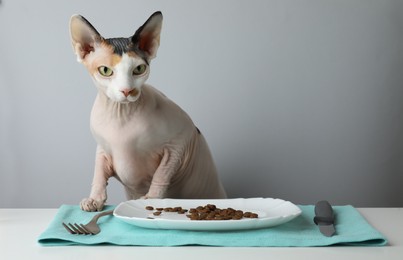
91,228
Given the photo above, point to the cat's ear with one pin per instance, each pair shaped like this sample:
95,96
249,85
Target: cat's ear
84,36
147,37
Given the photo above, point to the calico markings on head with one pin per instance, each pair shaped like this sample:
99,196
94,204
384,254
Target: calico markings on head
118,66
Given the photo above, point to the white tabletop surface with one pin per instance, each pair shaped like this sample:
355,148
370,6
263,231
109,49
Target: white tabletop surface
20,228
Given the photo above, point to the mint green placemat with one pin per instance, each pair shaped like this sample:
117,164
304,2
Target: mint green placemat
352,229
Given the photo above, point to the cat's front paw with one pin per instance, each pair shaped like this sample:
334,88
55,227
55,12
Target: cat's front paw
147,196
89,204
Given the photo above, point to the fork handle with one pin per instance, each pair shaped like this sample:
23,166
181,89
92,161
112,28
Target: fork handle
105,213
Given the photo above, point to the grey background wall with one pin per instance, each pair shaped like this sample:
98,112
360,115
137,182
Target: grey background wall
300,100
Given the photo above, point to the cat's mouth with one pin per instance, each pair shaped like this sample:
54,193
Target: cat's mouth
128,100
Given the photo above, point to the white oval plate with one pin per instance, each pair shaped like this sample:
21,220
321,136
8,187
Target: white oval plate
272,212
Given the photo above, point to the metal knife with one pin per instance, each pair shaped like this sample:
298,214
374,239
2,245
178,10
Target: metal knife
324,218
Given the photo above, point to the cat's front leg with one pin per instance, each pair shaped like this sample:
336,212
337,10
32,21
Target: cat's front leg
168,166
103,171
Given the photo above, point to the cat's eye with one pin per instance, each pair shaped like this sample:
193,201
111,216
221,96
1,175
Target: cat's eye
105,71
140,69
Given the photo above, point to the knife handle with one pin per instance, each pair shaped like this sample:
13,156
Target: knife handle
323,213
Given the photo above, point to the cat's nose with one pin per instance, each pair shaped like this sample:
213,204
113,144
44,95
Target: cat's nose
128,92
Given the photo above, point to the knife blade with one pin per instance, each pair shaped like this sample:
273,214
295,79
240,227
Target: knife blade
324,218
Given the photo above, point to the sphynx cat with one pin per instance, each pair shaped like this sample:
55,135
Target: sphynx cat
143,138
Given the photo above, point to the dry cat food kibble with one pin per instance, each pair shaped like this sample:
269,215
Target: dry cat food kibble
211,212
207,212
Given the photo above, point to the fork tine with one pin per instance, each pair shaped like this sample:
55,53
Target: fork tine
68,229
86,229
75,229
83,231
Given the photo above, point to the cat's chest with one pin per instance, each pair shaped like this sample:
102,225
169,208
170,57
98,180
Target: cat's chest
118,136
145,130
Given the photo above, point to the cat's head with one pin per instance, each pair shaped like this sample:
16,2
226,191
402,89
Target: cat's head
119,66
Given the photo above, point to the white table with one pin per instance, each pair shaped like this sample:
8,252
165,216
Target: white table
19,229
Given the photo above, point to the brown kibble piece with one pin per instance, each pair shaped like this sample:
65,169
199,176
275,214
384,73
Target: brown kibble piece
183,211
149,208
253,215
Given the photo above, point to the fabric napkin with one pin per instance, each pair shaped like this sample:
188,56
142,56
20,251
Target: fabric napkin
351,229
